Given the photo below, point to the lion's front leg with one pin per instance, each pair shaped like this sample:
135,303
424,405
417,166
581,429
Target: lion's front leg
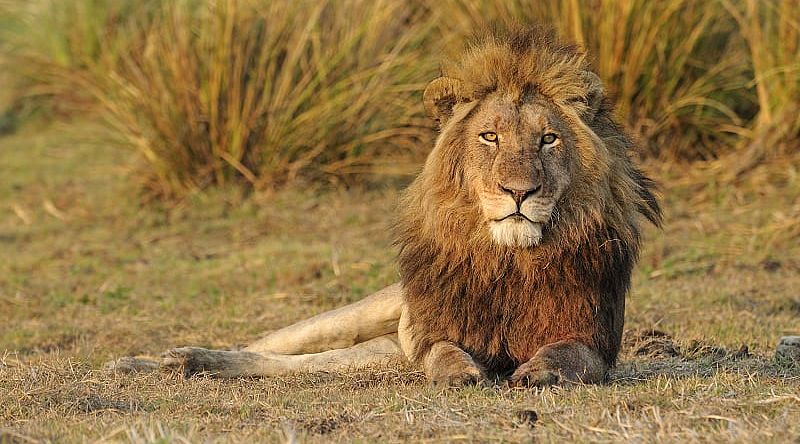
447,364
563,361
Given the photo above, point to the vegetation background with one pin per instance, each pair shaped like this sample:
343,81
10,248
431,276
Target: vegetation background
197,172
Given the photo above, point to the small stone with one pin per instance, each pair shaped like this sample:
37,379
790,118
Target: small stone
789,348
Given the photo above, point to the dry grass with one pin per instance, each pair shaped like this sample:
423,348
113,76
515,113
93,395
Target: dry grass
772,32
52,46
736,401
264,93
671,65
88,277
261,92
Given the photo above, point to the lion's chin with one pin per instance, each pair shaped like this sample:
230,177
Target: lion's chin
516,233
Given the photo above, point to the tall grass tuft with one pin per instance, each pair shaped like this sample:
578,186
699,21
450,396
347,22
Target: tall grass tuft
49,46
667,63
771,29
265,91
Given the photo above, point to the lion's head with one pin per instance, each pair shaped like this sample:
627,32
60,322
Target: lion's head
517,155
528,150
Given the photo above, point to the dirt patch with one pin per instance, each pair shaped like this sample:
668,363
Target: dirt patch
95,403
324,426
62,343
790,306
652,343
699,349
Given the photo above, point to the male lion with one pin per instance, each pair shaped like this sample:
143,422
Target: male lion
516,241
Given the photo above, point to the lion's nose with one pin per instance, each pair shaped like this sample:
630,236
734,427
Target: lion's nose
519,194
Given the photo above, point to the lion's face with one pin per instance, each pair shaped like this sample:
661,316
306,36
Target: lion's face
516,162
527,150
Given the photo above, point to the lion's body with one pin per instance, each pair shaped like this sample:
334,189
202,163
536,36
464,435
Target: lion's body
499,303
517,239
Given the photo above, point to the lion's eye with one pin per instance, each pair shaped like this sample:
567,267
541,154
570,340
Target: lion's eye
549,138
489,137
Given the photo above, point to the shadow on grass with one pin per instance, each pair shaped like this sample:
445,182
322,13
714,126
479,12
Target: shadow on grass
653,354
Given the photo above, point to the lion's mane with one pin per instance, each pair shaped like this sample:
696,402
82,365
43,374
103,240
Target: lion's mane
501,304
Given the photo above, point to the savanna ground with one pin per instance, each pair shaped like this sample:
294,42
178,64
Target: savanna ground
87,276
165,180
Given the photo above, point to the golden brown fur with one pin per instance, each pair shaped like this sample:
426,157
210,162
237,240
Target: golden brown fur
503,304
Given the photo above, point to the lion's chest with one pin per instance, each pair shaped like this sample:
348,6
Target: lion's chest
504,324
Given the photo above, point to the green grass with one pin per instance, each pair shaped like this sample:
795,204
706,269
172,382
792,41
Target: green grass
95,275
772,32
253,93
262,93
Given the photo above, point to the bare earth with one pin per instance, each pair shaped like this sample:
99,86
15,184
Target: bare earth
88,273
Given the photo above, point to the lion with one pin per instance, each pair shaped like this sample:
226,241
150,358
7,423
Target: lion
516,241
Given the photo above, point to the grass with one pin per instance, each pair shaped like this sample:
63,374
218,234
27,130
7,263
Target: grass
51,47
772,33
260,93
86,276
672,66
255,93
221,104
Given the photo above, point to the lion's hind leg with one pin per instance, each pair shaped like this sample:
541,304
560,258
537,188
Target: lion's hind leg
243,363
355,335
376,315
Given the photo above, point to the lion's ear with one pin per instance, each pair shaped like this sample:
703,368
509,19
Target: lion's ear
595,94
441,96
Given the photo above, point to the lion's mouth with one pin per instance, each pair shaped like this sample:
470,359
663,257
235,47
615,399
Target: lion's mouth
517,216
516,230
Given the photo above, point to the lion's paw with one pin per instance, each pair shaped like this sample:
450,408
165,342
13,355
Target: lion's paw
448,365
189,360
457,377
789,349
535,373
